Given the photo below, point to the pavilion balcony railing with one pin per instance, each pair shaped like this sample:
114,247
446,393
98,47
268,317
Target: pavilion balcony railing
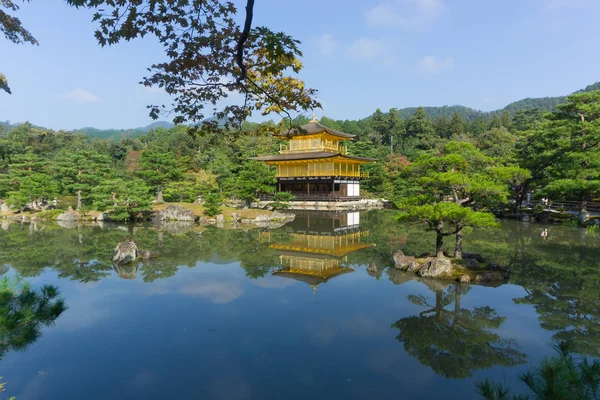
331,197
307,147
309,173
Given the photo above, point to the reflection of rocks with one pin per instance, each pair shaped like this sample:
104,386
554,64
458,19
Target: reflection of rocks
126,271
125,252
373,270
67,224
399,277
490,277
147,254
175,227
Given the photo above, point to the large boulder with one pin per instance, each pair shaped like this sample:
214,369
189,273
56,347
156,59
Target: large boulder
125,252
402,261
220,218
583,217
436,268
67,216
175,212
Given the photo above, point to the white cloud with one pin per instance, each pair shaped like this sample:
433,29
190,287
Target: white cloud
81,96
327,44
406,14
434,64
365,49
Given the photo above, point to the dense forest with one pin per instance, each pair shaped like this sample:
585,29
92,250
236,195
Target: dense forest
523,151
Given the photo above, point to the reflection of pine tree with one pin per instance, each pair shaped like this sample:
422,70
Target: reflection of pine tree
571,309
456,343
23,312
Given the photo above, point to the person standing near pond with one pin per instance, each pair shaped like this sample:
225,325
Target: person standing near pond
544,233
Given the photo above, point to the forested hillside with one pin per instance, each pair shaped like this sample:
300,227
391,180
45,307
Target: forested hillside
126,175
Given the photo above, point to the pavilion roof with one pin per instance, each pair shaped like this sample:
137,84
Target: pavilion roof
313,128
309,156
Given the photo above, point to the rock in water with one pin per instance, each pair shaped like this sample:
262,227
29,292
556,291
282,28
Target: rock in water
175,212
583,217
125,252
436,268
490,277
403,262
465,279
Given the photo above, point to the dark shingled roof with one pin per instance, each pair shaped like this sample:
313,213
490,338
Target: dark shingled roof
308,156
314,127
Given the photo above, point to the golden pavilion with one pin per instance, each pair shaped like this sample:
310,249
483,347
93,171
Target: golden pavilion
315,164
319,246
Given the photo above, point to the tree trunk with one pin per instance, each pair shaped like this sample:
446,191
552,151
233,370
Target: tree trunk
458,247
439,241
79,199
159,196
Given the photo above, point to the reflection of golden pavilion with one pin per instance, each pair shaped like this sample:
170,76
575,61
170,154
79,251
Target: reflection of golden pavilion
319,245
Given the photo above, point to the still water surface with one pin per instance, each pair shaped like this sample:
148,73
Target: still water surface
292,312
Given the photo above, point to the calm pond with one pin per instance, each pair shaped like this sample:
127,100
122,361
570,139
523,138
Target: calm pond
292,313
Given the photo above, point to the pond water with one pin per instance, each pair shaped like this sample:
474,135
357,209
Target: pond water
292,312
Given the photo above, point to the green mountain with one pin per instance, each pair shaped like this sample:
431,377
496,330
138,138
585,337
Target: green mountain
117,134
545,104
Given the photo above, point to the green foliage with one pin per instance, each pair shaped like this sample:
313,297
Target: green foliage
194,184
560,377
24,311
254,178
157,168
281,200
36,186
126,200
212,204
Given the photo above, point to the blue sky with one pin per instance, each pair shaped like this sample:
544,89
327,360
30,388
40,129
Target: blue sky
360,55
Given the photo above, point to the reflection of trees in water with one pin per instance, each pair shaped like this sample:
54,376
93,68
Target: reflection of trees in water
85,253
456,342
560,274
23,313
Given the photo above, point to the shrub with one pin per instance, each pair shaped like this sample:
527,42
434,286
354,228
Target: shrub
212,204
49,214
560,377
281,200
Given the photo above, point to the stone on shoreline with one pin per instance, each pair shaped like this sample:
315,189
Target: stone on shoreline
436,268
403,262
